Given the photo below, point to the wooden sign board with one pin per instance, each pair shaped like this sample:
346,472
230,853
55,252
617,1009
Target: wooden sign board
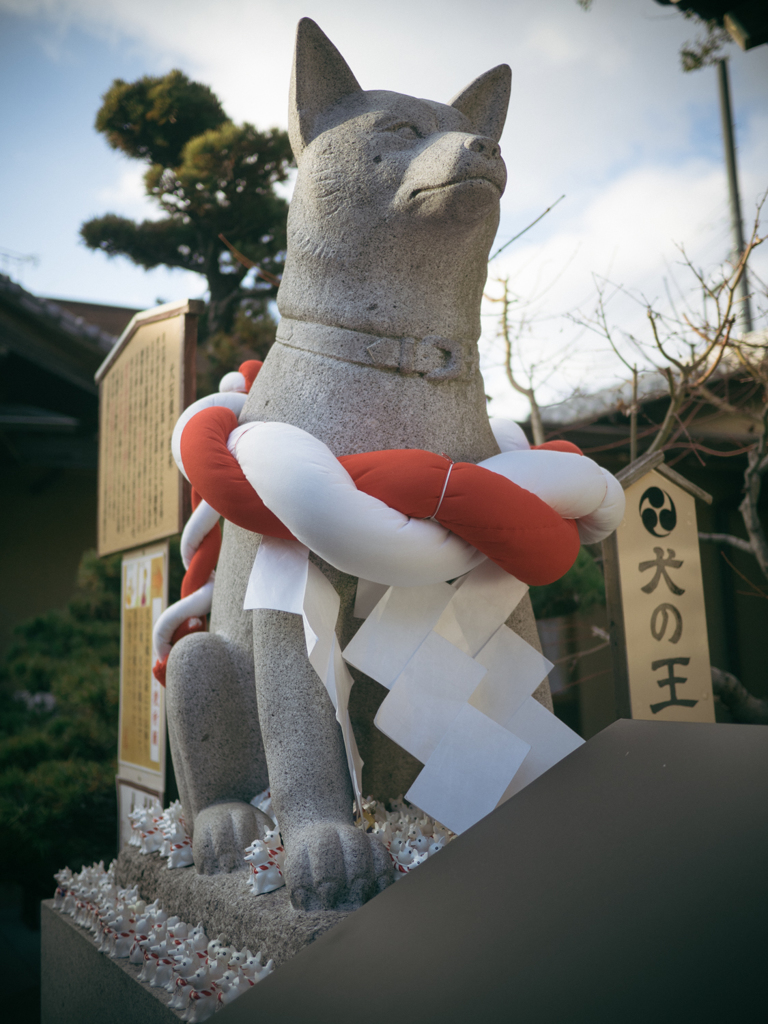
141,731
145,383
655,599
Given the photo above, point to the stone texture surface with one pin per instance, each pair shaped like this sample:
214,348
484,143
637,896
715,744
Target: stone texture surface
395,208
225,905
80,985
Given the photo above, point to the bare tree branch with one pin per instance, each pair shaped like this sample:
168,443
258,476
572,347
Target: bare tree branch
573,658
505,333
728,407
521,233
728,538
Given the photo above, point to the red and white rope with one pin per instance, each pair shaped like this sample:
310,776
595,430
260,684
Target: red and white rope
201,539
394,517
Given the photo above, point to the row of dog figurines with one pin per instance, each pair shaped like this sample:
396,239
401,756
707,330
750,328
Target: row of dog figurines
410,836
156,831
200,975
165,833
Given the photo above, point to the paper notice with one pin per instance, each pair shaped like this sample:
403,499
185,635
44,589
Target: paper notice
427,696
550,739
396,627
515,669
468,771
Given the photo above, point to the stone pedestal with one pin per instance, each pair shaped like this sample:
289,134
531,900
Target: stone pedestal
80,984
225,905
626,884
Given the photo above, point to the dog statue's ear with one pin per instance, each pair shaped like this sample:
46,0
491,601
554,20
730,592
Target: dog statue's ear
320,77
485,101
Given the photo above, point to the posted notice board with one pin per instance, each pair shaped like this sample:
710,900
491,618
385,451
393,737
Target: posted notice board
141,736
145,383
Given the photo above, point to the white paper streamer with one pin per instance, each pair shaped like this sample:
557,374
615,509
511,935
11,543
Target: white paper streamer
550,739
395,629
428,695
367,596
473,747
484,599
460,685
513,671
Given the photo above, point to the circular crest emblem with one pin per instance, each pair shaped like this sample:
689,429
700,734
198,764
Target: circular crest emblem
657,511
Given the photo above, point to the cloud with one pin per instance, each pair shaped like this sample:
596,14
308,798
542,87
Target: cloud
555,43
127,196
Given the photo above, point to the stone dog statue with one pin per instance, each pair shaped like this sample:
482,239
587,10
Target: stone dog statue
395,209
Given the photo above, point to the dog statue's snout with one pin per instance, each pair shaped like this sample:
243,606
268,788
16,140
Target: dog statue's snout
481,144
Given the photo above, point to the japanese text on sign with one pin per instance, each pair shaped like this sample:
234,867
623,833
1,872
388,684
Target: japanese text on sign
139,485
142,723
662,597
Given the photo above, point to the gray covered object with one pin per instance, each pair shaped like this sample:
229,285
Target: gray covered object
395,209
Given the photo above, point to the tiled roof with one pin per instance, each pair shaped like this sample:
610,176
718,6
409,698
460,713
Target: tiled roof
56,315
111,319
42,332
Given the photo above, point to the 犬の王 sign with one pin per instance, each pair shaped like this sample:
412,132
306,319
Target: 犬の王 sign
656,599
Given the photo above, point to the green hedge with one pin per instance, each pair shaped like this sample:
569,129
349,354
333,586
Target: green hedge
57,764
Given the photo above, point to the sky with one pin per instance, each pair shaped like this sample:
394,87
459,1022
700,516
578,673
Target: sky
600,114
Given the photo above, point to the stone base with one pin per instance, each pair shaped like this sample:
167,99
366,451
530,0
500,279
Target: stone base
81,985
225,905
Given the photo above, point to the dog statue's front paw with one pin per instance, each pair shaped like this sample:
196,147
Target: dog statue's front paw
221,834
335,866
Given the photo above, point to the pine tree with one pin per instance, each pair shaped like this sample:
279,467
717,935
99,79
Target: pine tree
209,177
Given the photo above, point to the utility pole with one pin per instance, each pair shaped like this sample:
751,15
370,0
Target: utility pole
737,229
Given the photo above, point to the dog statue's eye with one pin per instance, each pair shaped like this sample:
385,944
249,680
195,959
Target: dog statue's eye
404,130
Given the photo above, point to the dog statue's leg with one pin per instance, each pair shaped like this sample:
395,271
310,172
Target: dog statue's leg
217,751
329,862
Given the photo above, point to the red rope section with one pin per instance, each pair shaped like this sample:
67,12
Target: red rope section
514,528
250,370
